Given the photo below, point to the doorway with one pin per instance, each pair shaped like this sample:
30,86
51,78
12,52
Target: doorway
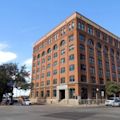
62,94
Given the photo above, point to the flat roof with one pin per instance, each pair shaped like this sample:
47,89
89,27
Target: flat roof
68,19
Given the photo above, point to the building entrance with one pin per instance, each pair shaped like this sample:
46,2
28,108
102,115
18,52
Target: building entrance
62,94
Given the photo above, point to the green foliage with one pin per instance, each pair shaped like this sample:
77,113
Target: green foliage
112,88
13,76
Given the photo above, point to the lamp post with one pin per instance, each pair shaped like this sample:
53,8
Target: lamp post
97,90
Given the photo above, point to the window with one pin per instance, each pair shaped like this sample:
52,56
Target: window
83,78
71,38
37,84
92,70
54,72
81,26
48,74
42,93
82,57
62,43
71,57
82,47
63,31
48,82
62,51
62,60
83,67
99,45
49,51
91,60
49,58
38,63
71,47
91,51
42,83
98,33
43,53
82,37
72,78
71,26
100,72
100,63
55,36
90,42
72,93
90,30
107,74
71,67
62,70
110,40
38,56
54,81
48,65
55,47
55,55
111,52
63,80
48,93
49,41
54,93
55,63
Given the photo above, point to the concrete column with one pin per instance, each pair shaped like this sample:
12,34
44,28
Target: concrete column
58,95
67,95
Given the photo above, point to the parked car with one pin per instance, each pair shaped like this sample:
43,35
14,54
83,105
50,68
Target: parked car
116,103
26,102
111,100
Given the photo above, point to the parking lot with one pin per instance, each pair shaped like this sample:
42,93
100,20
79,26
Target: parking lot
54,112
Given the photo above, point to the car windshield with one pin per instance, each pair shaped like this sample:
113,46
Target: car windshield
117,100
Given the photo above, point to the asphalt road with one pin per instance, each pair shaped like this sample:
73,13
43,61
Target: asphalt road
48,112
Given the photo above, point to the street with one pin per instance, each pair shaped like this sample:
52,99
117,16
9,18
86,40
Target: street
54,112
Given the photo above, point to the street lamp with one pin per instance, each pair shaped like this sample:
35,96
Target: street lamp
97,90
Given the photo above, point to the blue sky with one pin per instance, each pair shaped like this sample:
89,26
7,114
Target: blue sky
23,22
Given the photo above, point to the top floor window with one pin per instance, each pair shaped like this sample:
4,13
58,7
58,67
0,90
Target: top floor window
90,30
97,33
71,26
81,26
63,31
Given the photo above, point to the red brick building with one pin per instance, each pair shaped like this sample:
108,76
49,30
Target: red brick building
74,61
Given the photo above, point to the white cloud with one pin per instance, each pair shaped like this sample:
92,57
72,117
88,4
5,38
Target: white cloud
28,62
6,56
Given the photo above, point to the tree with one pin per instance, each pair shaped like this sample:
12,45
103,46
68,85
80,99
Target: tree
12,76
112,88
